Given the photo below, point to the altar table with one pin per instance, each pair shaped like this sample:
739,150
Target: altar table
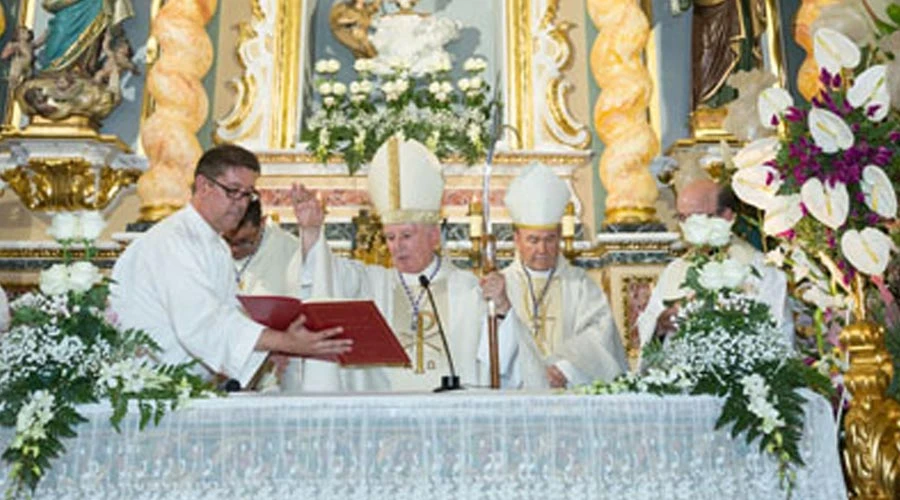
467,445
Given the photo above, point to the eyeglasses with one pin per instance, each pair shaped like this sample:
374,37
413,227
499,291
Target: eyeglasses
235,193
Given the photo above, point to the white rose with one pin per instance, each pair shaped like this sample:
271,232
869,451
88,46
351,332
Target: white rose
325,88
83,275
434,88
446,87
734,273
475,82
402,85
328,101
92,225
333,65
719,232
64,226
363,65
55,280
463,84
321,66
358,98
441,97
339,89
354,87
711,276
366,86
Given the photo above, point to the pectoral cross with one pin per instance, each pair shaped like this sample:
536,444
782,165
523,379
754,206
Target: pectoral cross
540,324
418,341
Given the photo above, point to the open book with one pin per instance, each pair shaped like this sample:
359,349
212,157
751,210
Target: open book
373,341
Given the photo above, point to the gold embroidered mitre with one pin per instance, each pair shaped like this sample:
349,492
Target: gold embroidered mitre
536,198
405,183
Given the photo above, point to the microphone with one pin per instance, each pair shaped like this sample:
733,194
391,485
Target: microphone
451,382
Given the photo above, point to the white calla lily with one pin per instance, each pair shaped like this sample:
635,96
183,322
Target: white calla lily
868,250
829,205
771,103
829,131
870,89
833,50
755,153
749,184
782,214
879,192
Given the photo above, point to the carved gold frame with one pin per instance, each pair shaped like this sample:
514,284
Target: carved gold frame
525,21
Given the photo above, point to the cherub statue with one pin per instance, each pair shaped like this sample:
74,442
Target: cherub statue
117,54
21,49
350,21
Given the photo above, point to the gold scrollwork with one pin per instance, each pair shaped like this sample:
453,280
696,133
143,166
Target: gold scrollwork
872,424
67,184
245,87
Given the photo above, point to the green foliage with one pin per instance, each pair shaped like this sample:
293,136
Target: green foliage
62,351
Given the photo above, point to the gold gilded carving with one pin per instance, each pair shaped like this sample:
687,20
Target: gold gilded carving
872,424
244,87
369,245
561,125
287,42
620,112
67,184
518,55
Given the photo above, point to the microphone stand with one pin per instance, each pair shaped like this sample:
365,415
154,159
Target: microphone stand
448,382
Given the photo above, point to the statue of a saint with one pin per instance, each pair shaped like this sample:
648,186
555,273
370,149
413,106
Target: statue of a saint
350,21
75,32
84,57
725,38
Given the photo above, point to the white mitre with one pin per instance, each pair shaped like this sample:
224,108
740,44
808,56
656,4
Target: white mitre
536,198
405,183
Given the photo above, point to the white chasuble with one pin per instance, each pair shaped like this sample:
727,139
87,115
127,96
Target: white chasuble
463,312
265,271
570,325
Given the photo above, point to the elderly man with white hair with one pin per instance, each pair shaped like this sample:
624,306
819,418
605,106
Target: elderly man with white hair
572,338
406,187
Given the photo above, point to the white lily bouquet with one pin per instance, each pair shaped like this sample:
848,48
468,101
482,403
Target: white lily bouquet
450,118
727,344
826,186
65,349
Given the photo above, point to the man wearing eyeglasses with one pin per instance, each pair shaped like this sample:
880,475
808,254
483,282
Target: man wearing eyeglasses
177,281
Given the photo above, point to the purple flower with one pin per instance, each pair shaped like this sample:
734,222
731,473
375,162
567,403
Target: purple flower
871,218
804,209
894,136
825,77
836,81
860,197
795,114
774,120
871,110
769,178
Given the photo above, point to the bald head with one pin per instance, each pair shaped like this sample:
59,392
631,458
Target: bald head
701,196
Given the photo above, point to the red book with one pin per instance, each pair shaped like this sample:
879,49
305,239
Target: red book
374,343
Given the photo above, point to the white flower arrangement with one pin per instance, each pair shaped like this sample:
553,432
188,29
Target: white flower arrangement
356,117
65,349
701,230
727,344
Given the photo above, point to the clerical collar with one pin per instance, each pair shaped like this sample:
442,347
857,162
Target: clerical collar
430,270
539,274
242,265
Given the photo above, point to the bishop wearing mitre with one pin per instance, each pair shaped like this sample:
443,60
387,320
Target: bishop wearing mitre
406,185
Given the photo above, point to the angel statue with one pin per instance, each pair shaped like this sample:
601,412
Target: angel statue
350,21
21,50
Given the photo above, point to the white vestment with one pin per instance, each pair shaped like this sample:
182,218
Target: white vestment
265,271
574,327
461,307
4,311
770,288
177,283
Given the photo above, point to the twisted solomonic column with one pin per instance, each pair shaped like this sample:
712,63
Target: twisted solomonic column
180,105
620,113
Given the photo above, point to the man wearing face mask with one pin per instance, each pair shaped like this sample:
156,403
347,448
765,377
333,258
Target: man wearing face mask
571,338
705,197
406,187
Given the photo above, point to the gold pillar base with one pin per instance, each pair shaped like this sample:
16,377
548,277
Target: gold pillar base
630,215
709,123
158,212
65,184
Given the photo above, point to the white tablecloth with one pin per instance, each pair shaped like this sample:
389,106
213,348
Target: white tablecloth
464,445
